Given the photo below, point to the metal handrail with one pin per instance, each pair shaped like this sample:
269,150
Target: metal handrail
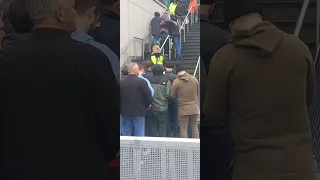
301,17
318,23
127,45
197,67
162,46
185,19
317,56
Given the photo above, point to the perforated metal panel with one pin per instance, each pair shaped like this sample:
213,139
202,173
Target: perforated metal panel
150,158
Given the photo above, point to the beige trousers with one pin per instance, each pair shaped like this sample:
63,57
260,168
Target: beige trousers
184,124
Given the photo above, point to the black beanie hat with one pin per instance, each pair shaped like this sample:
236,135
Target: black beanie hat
237,8
180,68
208,2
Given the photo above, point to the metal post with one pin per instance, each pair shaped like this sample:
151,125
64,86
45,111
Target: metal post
170,48
180,42
184,33
301,17
318,23
135,50
143,49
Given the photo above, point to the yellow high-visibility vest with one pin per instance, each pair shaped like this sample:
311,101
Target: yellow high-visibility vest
158,60
172,8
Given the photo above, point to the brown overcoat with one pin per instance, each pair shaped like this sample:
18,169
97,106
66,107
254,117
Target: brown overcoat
262,83
186,90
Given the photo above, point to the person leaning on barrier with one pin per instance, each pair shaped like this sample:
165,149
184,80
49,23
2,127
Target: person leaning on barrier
217,142
56,119
261,84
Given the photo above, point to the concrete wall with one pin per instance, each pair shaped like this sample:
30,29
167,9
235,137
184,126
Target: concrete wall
135,22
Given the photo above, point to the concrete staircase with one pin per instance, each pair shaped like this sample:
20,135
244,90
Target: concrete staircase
284,14
190,50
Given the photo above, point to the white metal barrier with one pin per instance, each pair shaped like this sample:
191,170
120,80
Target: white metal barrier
150,158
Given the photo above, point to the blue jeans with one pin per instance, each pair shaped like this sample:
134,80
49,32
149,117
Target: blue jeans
173,117
176,40
135,124
156,38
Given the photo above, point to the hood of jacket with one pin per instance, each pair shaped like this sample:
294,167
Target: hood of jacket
184,77
263,38
14,39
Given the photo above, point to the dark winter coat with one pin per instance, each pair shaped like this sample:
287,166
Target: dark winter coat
262,84
59,108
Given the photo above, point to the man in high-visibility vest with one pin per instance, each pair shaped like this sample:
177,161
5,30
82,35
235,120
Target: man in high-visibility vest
172,7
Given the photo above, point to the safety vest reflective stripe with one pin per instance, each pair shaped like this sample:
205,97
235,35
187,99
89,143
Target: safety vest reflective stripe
158,60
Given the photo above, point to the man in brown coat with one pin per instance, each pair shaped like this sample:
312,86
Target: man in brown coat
262,84
186,90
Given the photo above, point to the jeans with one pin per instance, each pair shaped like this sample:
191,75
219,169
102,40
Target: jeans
135,124
173,117
176,40
159,124
181,19
184,124
155,39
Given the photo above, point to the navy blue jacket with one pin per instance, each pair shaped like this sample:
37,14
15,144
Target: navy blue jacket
109,31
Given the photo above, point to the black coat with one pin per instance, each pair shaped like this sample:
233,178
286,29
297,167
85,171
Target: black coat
212,39
217,142
109,31
155,26
135,96
59,109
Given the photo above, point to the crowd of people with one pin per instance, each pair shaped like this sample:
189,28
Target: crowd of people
156,102
260,84
172,23
59,71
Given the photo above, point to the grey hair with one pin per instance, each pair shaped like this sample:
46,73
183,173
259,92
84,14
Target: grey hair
43,9
131,67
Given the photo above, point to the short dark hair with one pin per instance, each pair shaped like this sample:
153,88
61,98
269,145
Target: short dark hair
148,64
157,69
124,70
157,14
141,65
19,18
83,5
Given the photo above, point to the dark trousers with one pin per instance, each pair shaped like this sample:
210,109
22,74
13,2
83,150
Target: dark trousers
173,118
159,124
216,154
163,37
149,118
113,172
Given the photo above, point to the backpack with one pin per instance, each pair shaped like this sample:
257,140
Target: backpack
181,10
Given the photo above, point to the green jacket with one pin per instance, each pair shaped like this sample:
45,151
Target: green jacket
162,92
